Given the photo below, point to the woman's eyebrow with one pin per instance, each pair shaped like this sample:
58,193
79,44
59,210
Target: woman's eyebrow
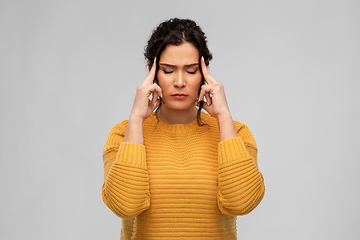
166,65
192,65
169,65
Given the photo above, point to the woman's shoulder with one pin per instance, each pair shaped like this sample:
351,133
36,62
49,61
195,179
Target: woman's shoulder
207,119
119,128
115,136
239,125
211,121
245,133
241,128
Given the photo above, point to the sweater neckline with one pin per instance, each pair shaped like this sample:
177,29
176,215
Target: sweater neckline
174,128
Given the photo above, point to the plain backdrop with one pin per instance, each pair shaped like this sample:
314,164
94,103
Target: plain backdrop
69,70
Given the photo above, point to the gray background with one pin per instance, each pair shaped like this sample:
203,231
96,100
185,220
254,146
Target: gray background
69,70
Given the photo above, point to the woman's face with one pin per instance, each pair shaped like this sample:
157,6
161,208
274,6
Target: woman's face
179,76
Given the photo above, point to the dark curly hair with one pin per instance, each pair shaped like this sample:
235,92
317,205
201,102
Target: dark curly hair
176,31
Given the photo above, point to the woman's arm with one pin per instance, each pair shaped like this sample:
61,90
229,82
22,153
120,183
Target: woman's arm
142,107
240,183
216,104
126,183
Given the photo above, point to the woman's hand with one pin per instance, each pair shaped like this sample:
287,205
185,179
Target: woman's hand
216,104
143,106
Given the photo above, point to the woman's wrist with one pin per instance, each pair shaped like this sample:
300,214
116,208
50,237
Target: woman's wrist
225,116
226,125
134,130
136,119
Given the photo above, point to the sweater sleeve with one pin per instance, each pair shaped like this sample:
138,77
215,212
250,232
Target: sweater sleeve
126,183
240,183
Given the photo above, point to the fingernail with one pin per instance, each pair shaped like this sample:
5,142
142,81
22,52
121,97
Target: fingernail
202,58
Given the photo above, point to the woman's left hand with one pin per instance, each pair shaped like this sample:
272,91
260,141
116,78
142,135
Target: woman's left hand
216,104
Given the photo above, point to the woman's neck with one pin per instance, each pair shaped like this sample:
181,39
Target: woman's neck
172,116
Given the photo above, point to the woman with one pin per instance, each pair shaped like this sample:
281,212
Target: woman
173,171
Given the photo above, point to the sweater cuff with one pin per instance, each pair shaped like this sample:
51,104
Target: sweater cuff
132,153
232,149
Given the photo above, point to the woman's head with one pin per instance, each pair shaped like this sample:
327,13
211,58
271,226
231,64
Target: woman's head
177,32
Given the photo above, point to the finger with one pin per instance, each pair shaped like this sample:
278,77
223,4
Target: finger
201,95
154,98
204,89
208,98
206,107
206,74
154,88
151,75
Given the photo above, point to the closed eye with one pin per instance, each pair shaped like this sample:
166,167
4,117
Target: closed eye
168,72
192,72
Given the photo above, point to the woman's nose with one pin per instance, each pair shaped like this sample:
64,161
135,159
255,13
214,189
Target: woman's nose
179,81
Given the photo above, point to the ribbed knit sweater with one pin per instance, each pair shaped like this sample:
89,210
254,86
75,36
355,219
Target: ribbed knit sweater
182,183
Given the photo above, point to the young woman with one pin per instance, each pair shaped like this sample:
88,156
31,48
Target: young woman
173,171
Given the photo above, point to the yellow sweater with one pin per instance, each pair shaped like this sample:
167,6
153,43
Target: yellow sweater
182,183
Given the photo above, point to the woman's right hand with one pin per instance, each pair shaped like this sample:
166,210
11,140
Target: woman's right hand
143,106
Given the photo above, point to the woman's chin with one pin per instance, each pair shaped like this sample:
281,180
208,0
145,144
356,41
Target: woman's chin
178,106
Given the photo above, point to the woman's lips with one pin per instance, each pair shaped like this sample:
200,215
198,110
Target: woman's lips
179,96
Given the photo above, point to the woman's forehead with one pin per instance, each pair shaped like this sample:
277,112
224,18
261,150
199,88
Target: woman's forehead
184,54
